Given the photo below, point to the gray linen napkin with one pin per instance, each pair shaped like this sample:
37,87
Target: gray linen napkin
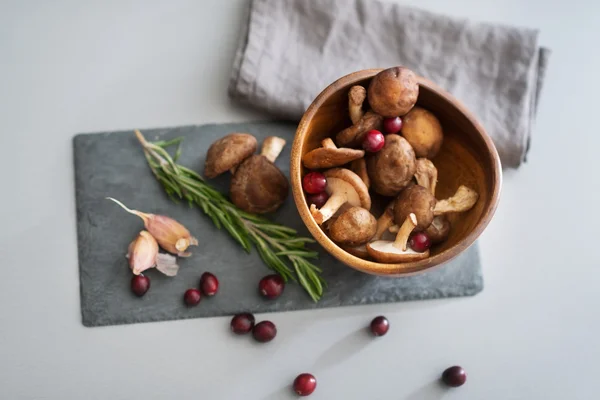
290,50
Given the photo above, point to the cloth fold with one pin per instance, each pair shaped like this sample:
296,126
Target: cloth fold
290,50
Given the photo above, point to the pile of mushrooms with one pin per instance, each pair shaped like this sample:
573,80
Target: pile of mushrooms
257,185
398,166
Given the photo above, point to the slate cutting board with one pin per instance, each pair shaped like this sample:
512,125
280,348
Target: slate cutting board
112,164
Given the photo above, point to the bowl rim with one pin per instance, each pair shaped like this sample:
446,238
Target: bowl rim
367,266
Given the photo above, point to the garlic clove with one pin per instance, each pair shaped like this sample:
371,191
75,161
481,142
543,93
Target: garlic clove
142,253
170,234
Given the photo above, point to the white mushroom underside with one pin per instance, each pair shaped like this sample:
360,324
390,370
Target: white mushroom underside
340,186
385,246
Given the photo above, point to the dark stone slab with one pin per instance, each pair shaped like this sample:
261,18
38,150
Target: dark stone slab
112,164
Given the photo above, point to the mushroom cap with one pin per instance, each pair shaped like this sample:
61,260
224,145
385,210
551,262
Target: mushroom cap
354,227
384,251
354,135
228,152
423,131
258,186
417,200
358,195
393,91
439,229
392,168
328,157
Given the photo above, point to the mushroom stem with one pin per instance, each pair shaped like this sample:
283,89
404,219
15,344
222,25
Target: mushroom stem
426,174
463,200
356,97
404,232
333,204
383,224
272,147
328,144
359,167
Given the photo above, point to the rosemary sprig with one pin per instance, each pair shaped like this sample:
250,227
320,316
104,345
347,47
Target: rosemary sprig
278,246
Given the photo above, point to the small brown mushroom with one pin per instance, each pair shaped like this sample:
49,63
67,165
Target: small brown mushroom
258,186
416,200
343,186
359,167
423,131
354,227
463,200
329,156
392,168
439,229
393,92
228,152
353,136
426,174
356,97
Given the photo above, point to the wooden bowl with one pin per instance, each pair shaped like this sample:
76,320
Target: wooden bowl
467,157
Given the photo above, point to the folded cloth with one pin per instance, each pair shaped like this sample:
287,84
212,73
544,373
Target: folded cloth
290,50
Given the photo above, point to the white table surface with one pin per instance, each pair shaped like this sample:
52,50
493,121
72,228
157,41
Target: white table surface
73,66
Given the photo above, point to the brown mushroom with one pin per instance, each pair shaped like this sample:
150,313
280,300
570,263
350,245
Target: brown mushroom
417,200
439,230
359,167
329,156
356,97
354,227
426,174
228,152
392,168
353,136
463,200
343,186
393,92
258,186
423,131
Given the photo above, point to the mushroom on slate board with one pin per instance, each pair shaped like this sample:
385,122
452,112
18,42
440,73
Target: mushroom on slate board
258,186
343,186
228,152
329,155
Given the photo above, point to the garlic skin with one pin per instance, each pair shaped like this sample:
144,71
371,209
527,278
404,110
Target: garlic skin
170,234
142,253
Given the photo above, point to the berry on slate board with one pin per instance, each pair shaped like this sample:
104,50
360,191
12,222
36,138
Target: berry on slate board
192,297
140,285
209,284
271,286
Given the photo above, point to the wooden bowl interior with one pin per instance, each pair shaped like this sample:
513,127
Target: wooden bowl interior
464,159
